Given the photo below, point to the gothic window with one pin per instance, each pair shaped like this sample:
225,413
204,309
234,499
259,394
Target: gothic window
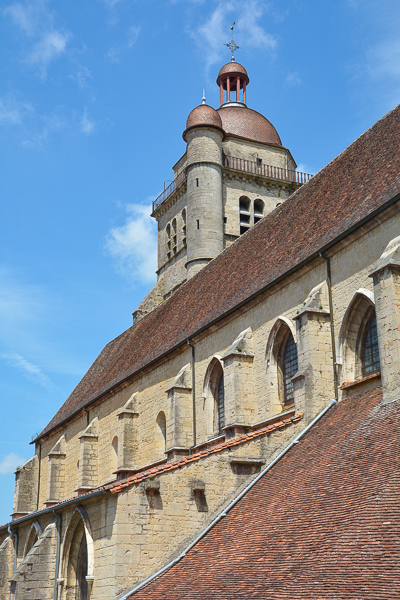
358,351
76,559
369,347
288,366
161,434
220,404
282,364
33,537
214,395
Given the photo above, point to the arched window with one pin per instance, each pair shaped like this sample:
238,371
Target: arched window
168,232
220,403
244,214
76,564
282,364
161,433
358,351
33,537
258,210
184,227
288,366
214,396
174,245
369,347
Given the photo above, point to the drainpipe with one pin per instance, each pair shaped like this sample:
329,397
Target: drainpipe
15,534
58,517
39,472
193,392
232,504
329,280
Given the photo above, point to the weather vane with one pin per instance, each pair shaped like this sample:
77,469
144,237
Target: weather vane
232,46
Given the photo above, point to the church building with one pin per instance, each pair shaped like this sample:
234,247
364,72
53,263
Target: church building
241,439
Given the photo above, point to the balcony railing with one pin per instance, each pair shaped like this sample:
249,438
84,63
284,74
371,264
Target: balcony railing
249,166
239,164
173,187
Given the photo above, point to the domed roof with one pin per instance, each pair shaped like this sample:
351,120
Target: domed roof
249,124
233,67
203,115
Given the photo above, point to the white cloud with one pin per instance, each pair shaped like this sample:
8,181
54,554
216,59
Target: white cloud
212,34
29,370
51,45
292,78
87,125
113,55
82,76
13,112
133,246
37,22
29,16
133,34
10,462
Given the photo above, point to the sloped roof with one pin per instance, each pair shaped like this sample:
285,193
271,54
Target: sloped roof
322,524
349,189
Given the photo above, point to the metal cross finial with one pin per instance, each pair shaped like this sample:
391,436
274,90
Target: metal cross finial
203,100
232,46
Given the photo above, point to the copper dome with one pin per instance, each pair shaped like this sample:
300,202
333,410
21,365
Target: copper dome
203,115
232,68
246,123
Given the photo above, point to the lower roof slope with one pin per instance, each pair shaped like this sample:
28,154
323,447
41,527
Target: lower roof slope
323,524
361,180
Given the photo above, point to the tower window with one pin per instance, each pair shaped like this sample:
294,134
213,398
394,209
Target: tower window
198,224
168,232
197,182
258,210
174,236
244,214
184,227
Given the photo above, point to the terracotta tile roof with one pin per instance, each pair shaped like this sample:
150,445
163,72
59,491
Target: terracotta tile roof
349,189
181,462
249,124
322,524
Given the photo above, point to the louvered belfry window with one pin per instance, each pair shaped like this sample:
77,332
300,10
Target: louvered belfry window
369,349
289,368
220,403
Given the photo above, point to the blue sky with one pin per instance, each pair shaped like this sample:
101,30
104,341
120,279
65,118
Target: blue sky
94,97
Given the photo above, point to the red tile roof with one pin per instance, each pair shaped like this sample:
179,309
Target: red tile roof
181,462
322,524
361,180
247,123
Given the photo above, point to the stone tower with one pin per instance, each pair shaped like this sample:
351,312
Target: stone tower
235,171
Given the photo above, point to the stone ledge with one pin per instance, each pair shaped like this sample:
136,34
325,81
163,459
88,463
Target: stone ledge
351,384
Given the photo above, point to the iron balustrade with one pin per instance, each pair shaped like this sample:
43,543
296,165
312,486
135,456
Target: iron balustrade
249,166
173,187
239,164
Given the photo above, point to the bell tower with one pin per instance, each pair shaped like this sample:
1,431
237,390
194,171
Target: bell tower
234,171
